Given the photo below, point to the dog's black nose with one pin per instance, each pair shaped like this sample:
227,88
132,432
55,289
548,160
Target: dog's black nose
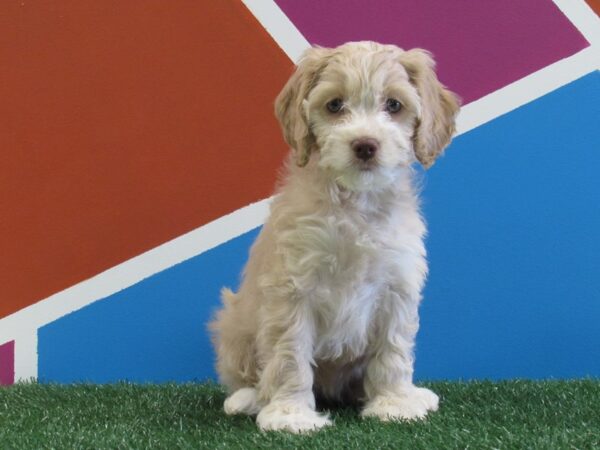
365,148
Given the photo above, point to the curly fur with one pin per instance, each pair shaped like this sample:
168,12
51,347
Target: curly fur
329,299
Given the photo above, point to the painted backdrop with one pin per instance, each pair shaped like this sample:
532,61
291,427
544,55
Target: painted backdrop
139,151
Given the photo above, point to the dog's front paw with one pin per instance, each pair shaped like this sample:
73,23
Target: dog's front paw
242,401
428,398
412,404
288,417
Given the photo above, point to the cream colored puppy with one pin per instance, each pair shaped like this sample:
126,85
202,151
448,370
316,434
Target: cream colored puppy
329,300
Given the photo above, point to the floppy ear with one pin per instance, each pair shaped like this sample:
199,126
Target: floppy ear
439,107
289,105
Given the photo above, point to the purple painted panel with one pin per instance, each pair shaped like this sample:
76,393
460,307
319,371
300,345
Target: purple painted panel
7,363
480,45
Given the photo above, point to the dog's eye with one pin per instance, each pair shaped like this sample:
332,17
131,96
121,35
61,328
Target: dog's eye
335,105
392,105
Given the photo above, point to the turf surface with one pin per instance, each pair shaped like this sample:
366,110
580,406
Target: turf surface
480,415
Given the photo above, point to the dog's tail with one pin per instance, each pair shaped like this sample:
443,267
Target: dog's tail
228,297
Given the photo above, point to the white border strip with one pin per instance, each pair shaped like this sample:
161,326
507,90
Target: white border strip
281,29
26,357
21,324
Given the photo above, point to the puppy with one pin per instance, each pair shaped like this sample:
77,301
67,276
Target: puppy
329,301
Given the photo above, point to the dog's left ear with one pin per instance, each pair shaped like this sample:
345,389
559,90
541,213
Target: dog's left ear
289,105
439,107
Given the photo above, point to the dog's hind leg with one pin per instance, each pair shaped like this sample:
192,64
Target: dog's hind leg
236,355
234,341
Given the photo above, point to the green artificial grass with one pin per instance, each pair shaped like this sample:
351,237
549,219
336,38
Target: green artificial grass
478,415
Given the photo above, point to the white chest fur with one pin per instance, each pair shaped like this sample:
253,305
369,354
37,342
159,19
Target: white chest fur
343,262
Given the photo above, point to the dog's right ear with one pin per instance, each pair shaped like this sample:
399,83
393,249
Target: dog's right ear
289,105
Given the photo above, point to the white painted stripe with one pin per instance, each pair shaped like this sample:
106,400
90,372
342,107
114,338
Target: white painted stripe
130,272
583,18
277,24
26,358
545,80
526,89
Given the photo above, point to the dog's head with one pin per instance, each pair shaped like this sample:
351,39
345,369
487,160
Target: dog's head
365,110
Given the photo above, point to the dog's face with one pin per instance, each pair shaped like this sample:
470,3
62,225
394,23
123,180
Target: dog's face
365,110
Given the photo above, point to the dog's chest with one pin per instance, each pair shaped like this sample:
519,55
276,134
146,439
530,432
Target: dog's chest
351,278
343,263
346,323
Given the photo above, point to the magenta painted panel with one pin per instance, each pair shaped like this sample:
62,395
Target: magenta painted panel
480,45
7,363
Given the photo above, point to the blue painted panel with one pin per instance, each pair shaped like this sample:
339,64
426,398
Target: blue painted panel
152,331
514,247
514,222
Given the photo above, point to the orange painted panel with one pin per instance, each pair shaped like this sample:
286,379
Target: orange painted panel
123,125
595,5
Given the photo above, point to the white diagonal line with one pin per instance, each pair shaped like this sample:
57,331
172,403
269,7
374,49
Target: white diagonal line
134,270
583,18
526,90
277,24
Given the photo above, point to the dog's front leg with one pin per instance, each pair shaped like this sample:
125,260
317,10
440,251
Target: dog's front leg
390,392
287,379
